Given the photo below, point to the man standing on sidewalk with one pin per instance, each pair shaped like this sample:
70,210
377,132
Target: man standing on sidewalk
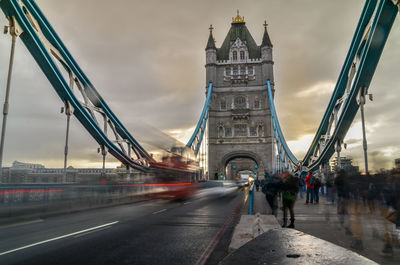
290,187
310,188
271,188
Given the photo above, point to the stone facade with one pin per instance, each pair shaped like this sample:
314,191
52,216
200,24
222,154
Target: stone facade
239,123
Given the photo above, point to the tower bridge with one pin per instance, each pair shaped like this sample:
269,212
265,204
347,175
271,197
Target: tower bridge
238,133
239,115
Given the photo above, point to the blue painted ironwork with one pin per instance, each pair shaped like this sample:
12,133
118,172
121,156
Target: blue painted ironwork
197,136
251,199
370,53
366,48
48,50
285,152
343,79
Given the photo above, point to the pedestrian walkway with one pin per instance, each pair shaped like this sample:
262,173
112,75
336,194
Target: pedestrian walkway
322,221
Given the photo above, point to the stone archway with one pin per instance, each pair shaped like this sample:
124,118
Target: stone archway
256,165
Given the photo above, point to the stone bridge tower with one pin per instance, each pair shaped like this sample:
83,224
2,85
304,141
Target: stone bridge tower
240,133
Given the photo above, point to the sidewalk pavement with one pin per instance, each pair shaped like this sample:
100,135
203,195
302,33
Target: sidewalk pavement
288,246
322,221
321,237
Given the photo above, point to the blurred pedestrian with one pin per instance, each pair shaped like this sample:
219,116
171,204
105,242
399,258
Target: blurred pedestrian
257,182
271,189
317,185
310,188
302,185
290,187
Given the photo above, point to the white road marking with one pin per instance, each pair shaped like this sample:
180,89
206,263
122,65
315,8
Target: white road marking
93,231
21,223
160,211
56,238
187,202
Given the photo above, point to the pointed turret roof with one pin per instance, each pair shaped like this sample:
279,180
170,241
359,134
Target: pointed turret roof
211,41
238,30
266,41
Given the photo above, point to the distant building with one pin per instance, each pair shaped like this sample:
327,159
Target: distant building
397,163
21,172
22,165
346,163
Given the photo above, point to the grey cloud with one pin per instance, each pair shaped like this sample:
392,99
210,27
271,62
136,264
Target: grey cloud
147,60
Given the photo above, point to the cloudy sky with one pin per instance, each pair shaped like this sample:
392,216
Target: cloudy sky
147,60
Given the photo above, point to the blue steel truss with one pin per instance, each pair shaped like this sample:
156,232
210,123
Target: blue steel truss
53,57
286,156
359,67
197,136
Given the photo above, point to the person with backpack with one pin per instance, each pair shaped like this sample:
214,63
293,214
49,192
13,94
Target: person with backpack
317,185
310,188
290,187
271,190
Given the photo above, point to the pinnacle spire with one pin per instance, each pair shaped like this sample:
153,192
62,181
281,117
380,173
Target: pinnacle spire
211,41
266,41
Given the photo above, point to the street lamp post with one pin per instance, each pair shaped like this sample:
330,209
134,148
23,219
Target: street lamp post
363,93
14,33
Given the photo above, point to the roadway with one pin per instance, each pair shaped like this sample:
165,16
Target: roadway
195,231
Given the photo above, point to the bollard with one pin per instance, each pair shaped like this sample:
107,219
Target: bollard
251,199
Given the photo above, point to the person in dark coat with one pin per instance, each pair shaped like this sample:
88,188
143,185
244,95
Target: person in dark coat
290,187
317,186
271,189
257,183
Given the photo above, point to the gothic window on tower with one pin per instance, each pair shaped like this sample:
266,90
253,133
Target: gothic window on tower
220,131
242,70
241,55
260,130
240,102
257,103
228,132
234,56
253,131
250,70
227,71
235,71
240,130
223,104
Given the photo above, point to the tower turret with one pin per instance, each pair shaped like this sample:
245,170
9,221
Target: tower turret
239,134
211,58
266,55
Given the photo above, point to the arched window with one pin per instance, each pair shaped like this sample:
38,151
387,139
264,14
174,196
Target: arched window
240,102
241,55
220,131
260,130
227,71
234,55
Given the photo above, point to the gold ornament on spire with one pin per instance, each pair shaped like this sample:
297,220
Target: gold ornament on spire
238,18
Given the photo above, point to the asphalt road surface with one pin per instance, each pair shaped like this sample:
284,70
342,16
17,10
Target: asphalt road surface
196,231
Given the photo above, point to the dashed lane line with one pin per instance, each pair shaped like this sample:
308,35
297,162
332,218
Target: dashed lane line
160,211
